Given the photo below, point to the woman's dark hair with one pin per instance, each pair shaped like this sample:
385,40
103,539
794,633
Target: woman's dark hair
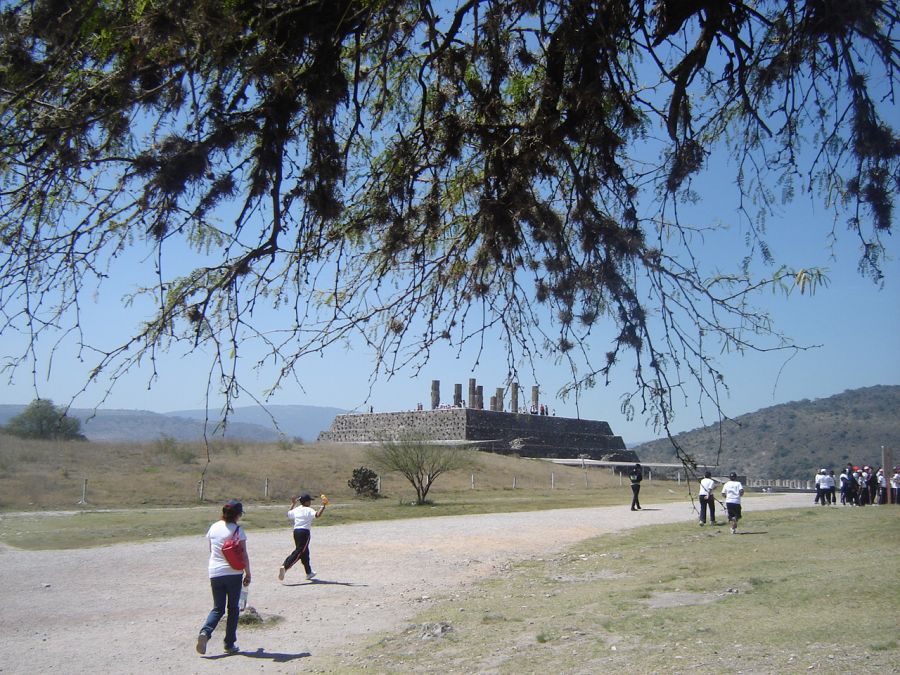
232,510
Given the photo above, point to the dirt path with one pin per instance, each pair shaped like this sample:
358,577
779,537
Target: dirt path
137,608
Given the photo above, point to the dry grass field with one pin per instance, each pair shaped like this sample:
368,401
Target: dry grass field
41,477
50,475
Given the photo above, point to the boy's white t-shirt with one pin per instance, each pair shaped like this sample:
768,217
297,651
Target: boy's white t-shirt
707,485
732,491
219,532
302,516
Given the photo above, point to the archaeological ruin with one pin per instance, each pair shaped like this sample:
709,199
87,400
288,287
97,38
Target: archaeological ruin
500,428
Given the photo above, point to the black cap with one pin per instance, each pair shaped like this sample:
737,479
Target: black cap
234,506
733,476
305,497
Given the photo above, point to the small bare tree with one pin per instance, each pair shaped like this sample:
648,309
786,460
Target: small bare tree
419,460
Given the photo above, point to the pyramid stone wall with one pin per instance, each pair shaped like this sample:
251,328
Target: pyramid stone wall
522,434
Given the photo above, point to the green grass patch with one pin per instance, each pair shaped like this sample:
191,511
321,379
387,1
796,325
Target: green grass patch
788,595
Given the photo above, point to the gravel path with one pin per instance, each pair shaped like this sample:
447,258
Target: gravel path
137,608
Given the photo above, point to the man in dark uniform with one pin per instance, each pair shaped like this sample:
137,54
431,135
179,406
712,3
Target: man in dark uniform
636,476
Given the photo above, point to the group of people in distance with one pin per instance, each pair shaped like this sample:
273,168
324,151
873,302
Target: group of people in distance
858,486
732,491
227,581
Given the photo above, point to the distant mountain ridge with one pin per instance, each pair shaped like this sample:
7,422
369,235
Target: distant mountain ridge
791,440
794,440
292,421
251,423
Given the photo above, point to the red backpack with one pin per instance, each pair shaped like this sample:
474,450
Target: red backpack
233,550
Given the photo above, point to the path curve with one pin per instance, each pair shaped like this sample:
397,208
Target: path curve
132,607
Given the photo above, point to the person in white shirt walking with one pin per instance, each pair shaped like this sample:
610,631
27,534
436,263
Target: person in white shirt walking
707,499
820,495
303,517
882,486
225,580
732,491
827,486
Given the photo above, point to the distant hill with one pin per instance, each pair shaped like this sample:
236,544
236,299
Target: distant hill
794,440
293,421
247,423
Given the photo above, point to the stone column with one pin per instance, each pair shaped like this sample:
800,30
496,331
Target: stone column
493,404
435,394
535,396
479,397
457,395
472,402
499,397
514,397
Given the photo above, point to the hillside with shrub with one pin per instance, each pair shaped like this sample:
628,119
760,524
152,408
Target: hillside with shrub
794,440
50,474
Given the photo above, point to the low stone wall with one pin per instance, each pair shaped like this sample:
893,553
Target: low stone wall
442,424
508,433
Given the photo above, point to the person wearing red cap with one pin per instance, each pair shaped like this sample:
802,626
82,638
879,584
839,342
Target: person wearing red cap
224,579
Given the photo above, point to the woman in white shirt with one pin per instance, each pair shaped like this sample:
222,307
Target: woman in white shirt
224,579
